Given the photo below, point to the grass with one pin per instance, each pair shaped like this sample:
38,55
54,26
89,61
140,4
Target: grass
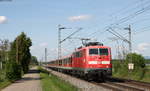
3,82
53,83
148,67
146,77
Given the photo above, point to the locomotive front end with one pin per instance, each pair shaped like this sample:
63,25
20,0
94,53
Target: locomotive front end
99,61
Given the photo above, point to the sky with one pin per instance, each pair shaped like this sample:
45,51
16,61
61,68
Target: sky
40,19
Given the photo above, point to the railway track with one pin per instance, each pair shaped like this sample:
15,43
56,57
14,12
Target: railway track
117,84
118,87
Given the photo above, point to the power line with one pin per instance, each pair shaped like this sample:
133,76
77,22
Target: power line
125,8
132,15
70,35
141,8
140,32
122,20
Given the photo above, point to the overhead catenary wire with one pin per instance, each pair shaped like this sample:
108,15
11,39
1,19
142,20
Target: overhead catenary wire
127,8
122,20
70,35
141,8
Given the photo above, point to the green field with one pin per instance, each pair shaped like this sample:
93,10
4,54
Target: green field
53,83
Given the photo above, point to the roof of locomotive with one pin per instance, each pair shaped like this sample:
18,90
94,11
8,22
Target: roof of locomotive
87,47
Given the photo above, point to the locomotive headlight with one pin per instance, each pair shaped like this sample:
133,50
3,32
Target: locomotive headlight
93,62
83,60
105,62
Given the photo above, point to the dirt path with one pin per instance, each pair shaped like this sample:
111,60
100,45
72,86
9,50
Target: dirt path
29,82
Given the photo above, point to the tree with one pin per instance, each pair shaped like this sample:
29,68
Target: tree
20,51
137,59
19,57
4,48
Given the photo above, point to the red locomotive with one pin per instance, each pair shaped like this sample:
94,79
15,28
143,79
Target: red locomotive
91,61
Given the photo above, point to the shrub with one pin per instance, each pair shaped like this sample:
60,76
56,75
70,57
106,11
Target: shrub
137,59
121,68
116,66
13,71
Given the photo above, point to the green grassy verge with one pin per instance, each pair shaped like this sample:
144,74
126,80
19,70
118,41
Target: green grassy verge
4,84
146,77
53,83
148,67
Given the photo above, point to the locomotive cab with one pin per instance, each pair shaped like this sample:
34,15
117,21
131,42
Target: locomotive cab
99,61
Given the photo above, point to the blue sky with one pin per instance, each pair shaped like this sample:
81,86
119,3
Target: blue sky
40,19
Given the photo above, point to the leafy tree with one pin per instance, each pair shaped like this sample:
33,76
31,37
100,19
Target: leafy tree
137,59
20,51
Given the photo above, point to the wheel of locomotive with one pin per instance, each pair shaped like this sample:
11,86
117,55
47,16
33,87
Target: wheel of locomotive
87,77
102,77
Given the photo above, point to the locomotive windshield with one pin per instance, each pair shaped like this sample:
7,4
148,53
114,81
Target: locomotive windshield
100,51
103,51
93,51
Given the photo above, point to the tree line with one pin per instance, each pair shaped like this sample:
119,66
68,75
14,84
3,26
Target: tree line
15,57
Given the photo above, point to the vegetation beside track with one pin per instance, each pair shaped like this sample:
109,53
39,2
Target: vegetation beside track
3,82
53,83
141,72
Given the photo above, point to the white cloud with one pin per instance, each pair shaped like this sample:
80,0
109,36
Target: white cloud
143,46
3,19
80,17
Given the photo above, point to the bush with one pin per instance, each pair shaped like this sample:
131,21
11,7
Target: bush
13,71
137,60
121,68
2,75
116,66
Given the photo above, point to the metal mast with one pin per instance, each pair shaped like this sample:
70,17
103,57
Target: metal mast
130,43
45,55
59,40
62,40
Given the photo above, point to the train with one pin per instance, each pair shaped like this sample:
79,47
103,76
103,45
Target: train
92,61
